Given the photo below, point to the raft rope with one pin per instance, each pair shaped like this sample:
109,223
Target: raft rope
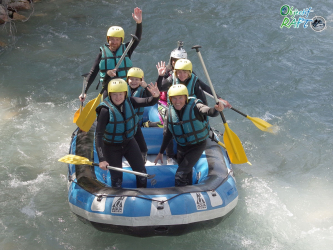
101,196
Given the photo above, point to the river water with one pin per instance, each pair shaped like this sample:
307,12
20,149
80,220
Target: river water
280,75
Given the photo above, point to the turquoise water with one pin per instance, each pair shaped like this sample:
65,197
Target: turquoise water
280,75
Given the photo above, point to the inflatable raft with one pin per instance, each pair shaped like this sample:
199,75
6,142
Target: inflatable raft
159,209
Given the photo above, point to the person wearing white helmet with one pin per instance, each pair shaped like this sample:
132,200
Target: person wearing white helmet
187,123
183,74
116,128
111,52
176,54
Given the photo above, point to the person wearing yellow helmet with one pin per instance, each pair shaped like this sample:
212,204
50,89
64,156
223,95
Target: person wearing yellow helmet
116,127
138,88
183,73
187,123
111,52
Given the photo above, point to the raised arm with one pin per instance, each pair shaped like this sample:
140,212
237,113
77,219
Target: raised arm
137,16
138,102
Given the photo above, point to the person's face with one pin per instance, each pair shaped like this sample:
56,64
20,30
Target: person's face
118,97
134,82
182,74
114,43
178,101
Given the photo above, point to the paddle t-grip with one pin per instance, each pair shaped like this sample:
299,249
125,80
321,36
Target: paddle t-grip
196,47
135,37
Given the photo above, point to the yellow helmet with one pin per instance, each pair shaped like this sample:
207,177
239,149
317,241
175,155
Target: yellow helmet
178,89
115,31
117,85
135,72
183,64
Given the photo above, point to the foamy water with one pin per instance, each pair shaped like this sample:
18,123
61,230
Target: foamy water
282,76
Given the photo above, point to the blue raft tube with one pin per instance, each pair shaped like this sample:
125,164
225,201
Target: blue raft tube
161,209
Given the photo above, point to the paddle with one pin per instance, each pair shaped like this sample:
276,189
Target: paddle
88,115
233,144
213,138
261,124
79,160
78,112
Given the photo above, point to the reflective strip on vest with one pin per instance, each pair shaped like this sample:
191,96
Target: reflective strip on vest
188,130
118,129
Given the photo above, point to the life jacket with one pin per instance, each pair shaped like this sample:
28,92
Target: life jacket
190,86
109,61
187,130
139,93
120,127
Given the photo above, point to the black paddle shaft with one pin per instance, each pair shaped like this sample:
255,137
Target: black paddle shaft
239,112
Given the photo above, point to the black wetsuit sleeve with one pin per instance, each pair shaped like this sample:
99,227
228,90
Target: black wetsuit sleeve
163,83
138,102
138,34
102,120
167,137
146,93
93,72
206,88
199,92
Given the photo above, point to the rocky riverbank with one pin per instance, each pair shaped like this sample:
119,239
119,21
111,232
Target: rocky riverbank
15,10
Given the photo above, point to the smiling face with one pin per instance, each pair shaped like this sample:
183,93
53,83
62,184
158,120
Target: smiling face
134,82
118,97
178,101
182,75
114,43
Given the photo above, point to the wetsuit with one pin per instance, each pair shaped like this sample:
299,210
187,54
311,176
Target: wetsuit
165,82
188,155
95,68
113,152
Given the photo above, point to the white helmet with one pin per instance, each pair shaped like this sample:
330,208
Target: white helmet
179,52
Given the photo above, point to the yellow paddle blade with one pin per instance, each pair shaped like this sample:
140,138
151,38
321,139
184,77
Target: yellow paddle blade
223,146
77,114
75,159
234,146
88,114
261,124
